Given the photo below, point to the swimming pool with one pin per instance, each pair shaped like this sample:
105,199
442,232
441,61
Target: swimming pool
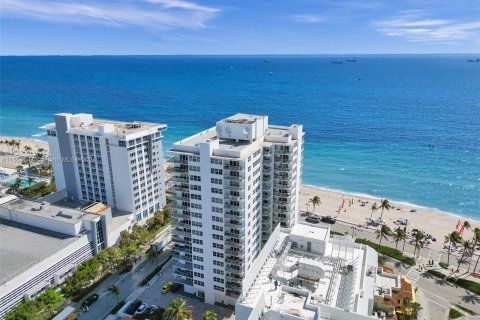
24,184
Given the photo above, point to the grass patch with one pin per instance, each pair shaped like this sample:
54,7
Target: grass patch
443,265
463,283
470,312
391,252
153,273
454,314
437,274
466,284
337,233
117,307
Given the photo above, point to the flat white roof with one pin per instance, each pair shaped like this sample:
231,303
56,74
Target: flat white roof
310,231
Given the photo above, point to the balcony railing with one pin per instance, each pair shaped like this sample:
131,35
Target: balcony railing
188,282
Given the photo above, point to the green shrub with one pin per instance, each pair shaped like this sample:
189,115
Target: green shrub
337,233
443,265
466,284
454,314
154,272
44,307
437,274
391,252
117,307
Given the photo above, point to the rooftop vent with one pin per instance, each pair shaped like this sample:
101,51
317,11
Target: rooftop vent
133,125
64,215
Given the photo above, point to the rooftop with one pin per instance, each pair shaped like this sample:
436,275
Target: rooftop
22,245
309,231
51,211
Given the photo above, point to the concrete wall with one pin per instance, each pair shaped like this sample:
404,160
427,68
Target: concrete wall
72,229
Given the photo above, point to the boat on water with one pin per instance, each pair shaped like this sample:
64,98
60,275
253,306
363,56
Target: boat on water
473,60
337,62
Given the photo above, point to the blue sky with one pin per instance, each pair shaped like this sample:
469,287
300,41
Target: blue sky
239,27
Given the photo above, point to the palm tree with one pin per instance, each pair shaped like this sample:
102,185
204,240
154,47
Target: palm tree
19,169
467,247
398,236
476,240
385,205
315,201
113,289
153,254
27,149
383,233
410,310
453,239
177,310
16,186
373,208
209,315
418,241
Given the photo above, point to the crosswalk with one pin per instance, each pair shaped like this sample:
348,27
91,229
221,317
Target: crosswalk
413,275
435,256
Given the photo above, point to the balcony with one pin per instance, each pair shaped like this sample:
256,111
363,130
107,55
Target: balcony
176,239
234,286
234,215
233,177
234,278
180,180
238,252
239,235
232,167
180,170
233,243
181,257
233,259
233,293
182,232
232,197
233,188
184,273
188,282
235,225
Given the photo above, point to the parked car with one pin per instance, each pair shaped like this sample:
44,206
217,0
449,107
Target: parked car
312,219
141,309
167,287
90,300
328,219
133,307
175,287
378,222
151,310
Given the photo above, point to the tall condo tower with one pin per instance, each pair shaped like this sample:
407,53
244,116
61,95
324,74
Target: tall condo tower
233,183
116,163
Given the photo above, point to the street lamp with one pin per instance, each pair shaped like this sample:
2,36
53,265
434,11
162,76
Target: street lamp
308,206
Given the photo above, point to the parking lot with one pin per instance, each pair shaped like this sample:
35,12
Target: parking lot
153,295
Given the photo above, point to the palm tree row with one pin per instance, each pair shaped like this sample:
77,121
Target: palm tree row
178,310
455,240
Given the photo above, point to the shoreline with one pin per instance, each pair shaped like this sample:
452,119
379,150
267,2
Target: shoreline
429,220
398,202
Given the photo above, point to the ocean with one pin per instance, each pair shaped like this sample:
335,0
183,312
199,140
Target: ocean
404,127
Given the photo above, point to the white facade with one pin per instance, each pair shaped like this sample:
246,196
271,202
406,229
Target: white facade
116,163
41,244
234,184
293,280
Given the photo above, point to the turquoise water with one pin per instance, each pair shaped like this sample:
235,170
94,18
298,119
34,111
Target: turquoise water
402,127
24,183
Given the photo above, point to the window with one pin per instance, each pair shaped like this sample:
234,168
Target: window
218,245
198,258
217,191
219,280
217,219
198,274
194,168
195,178
217,210
197,241
216,181
199,250
195,187
199,283
216,171
215,161
217,263
217,271
217,228
195,196
217,237
198,266
197,233
217,254
218,288
217,200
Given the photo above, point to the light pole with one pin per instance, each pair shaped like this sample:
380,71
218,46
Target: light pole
308,206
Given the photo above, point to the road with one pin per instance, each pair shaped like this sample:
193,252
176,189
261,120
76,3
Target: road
127,283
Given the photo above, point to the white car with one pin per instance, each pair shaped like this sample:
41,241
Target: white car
140,309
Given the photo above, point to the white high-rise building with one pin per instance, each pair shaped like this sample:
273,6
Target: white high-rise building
234,183
116,163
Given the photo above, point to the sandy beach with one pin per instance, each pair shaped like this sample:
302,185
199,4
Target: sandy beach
431,221
9,160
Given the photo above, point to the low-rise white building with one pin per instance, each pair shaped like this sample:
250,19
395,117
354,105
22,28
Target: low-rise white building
305,273
42,243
